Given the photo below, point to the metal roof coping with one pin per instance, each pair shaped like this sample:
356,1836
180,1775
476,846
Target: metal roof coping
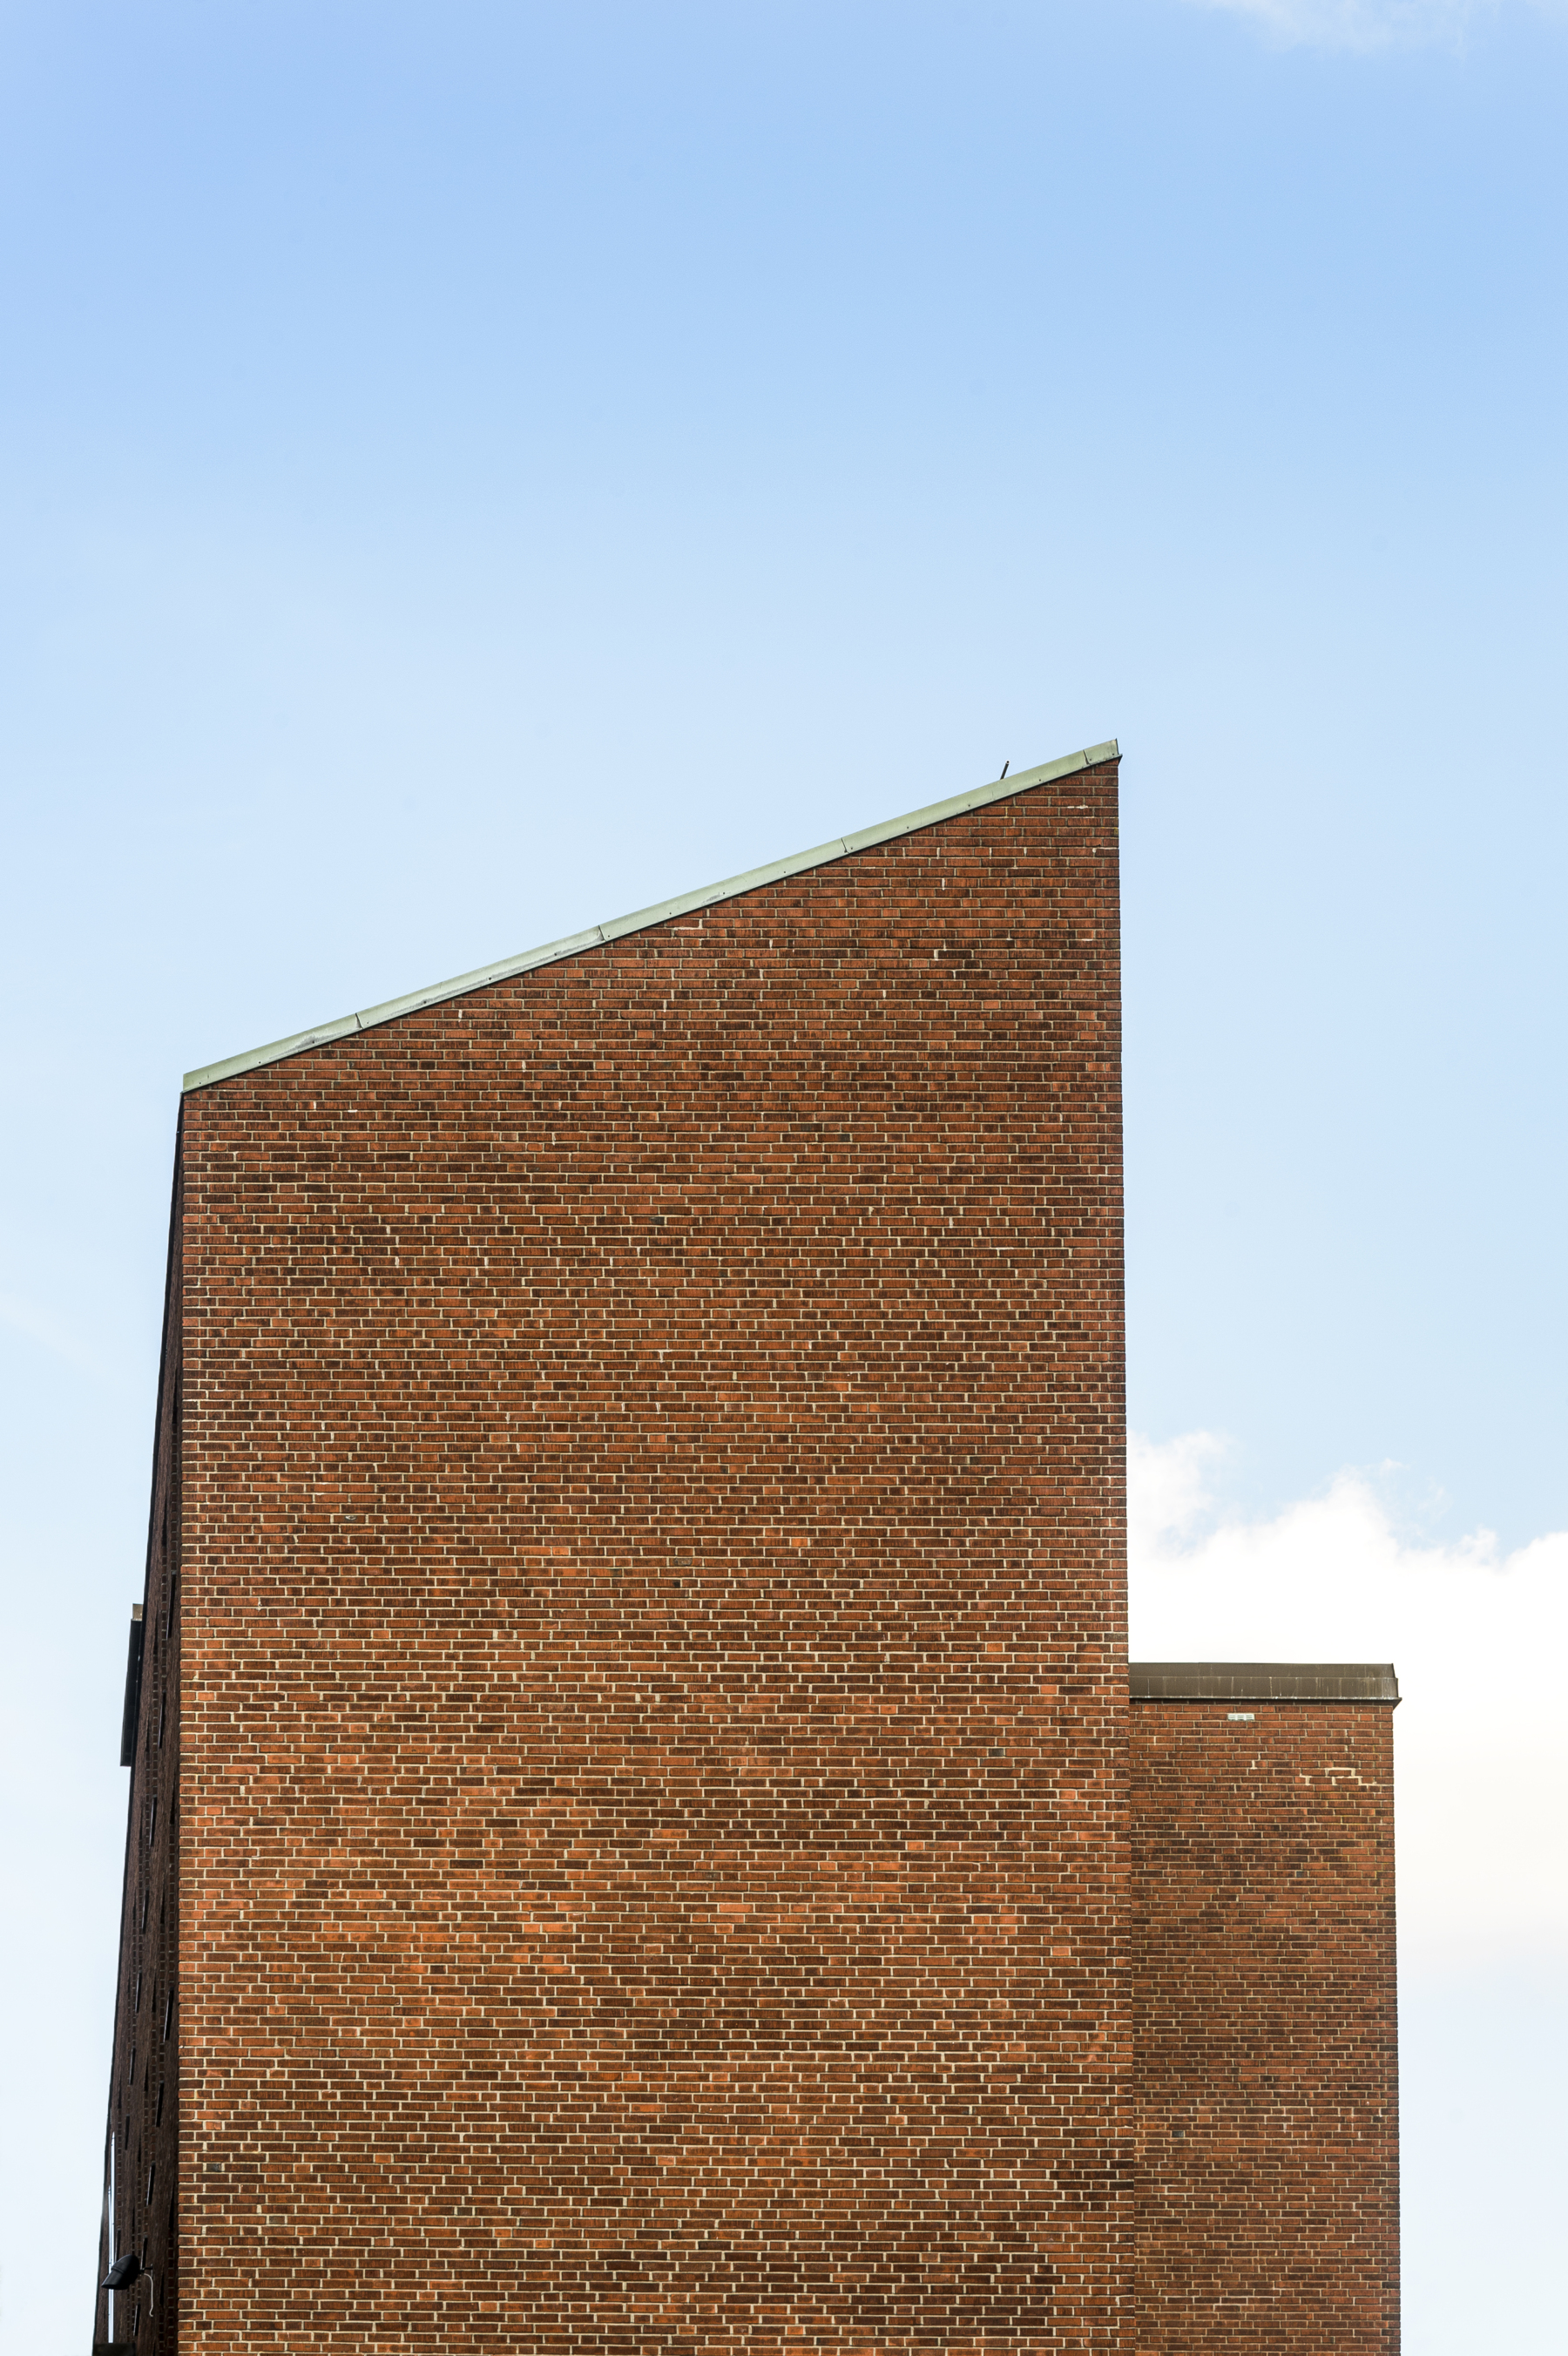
617,927
1340,1681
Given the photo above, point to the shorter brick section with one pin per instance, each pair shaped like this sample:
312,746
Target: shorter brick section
1263,2007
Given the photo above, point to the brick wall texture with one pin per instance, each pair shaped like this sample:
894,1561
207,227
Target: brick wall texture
646,1658
653,1822
1268,2202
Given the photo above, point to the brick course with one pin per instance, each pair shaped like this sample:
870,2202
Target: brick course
1267,2210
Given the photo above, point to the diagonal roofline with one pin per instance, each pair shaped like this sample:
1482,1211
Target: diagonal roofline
618,927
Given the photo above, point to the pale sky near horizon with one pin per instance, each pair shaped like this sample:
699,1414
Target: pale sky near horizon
466,471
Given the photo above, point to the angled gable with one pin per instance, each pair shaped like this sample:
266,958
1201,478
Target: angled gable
615,928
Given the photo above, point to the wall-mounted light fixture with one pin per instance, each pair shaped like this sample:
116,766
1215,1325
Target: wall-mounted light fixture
126,2270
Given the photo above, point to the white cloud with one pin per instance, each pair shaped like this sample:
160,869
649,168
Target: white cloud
1478,1639
1360,24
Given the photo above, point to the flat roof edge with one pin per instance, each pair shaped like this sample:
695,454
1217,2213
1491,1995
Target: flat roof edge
777,871
1372,1681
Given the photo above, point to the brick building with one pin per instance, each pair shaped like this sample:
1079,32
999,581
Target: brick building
640,1832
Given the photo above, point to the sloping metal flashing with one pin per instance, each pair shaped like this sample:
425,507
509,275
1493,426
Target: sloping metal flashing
618,927
1263,1681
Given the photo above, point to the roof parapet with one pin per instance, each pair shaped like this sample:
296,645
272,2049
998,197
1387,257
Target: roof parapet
1263,1681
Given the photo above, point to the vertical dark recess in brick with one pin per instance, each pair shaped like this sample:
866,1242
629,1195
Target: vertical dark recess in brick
142,2135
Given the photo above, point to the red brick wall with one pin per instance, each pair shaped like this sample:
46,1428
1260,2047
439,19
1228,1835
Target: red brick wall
1264,2029
654,1851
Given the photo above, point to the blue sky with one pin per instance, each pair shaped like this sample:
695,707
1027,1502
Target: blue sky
466,471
